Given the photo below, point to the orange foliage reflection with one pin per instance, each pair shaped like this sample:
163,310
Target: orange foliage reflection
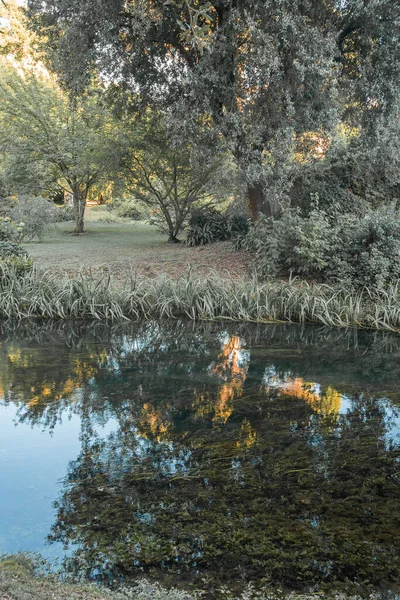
231,369
326,403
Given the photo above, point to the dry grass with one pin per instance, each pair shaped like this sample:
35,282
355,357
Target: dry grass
17,582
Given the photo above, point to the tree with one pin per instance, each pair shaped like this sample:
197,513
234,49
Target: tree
46,134
168,176
265,71
17,42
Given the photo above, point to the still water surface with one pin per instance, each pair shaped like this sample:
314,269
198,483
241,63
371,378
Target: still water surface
210,454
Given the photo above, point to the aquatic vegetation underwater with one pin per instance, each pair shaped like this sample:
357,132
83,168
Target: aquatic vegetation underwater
236,454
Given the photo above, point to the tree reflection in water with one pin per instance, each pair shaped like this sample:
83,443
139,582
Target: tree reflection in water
233,459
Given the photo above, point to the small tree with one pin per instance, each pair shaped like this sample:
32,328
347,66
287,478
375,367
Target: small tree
166,175
42,131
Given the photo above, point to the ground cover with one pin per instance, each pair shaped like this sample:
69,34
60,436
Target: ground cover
34,293
18,582
126,246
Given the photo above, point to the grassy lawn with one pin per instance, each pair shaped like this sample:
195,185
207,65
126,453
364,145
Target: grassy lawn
124,246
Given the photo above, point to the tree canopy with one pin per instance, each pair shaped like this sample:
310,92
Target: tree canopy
17,41
265,72
47,139
170,176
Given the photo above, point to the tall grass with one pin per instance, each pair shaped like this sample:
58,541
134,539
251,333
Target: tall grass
39,294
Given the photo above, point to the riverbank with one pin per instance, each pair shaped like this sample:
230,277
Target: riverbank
19,582
37,294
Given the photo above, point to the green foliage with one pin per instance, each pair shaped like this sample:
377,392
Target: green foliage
366,251
37,214
129,209
14,267
65,214
51,141
289,244
260,77
11,249
43,295
106,216
14,262
17,40
207,226
167,175
333,180
9,230
360,251
357,172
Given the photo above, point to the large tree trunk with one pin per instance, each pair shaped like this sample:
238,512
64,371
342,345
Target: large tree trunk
79,200
173,235
173,240
256,200
173,226
259,203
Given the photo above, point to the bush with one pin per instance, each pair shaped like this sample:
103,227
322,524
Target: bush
207,226
358,251
350,177
108,217
14,260
36,214
14,267
291,243
128,209
64,213
11,249
367,250
332,181
10,231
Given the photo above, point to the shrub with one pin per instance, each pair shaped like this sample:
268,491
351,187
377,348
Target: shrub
11,249
207,226
239,225
9,230
360,251
367,250
14,267
14,261
334,184
36,214
128,209
290,244
64,213
108,217
346,179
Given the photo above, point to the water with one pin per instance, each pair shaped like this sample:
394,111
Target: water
203,455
